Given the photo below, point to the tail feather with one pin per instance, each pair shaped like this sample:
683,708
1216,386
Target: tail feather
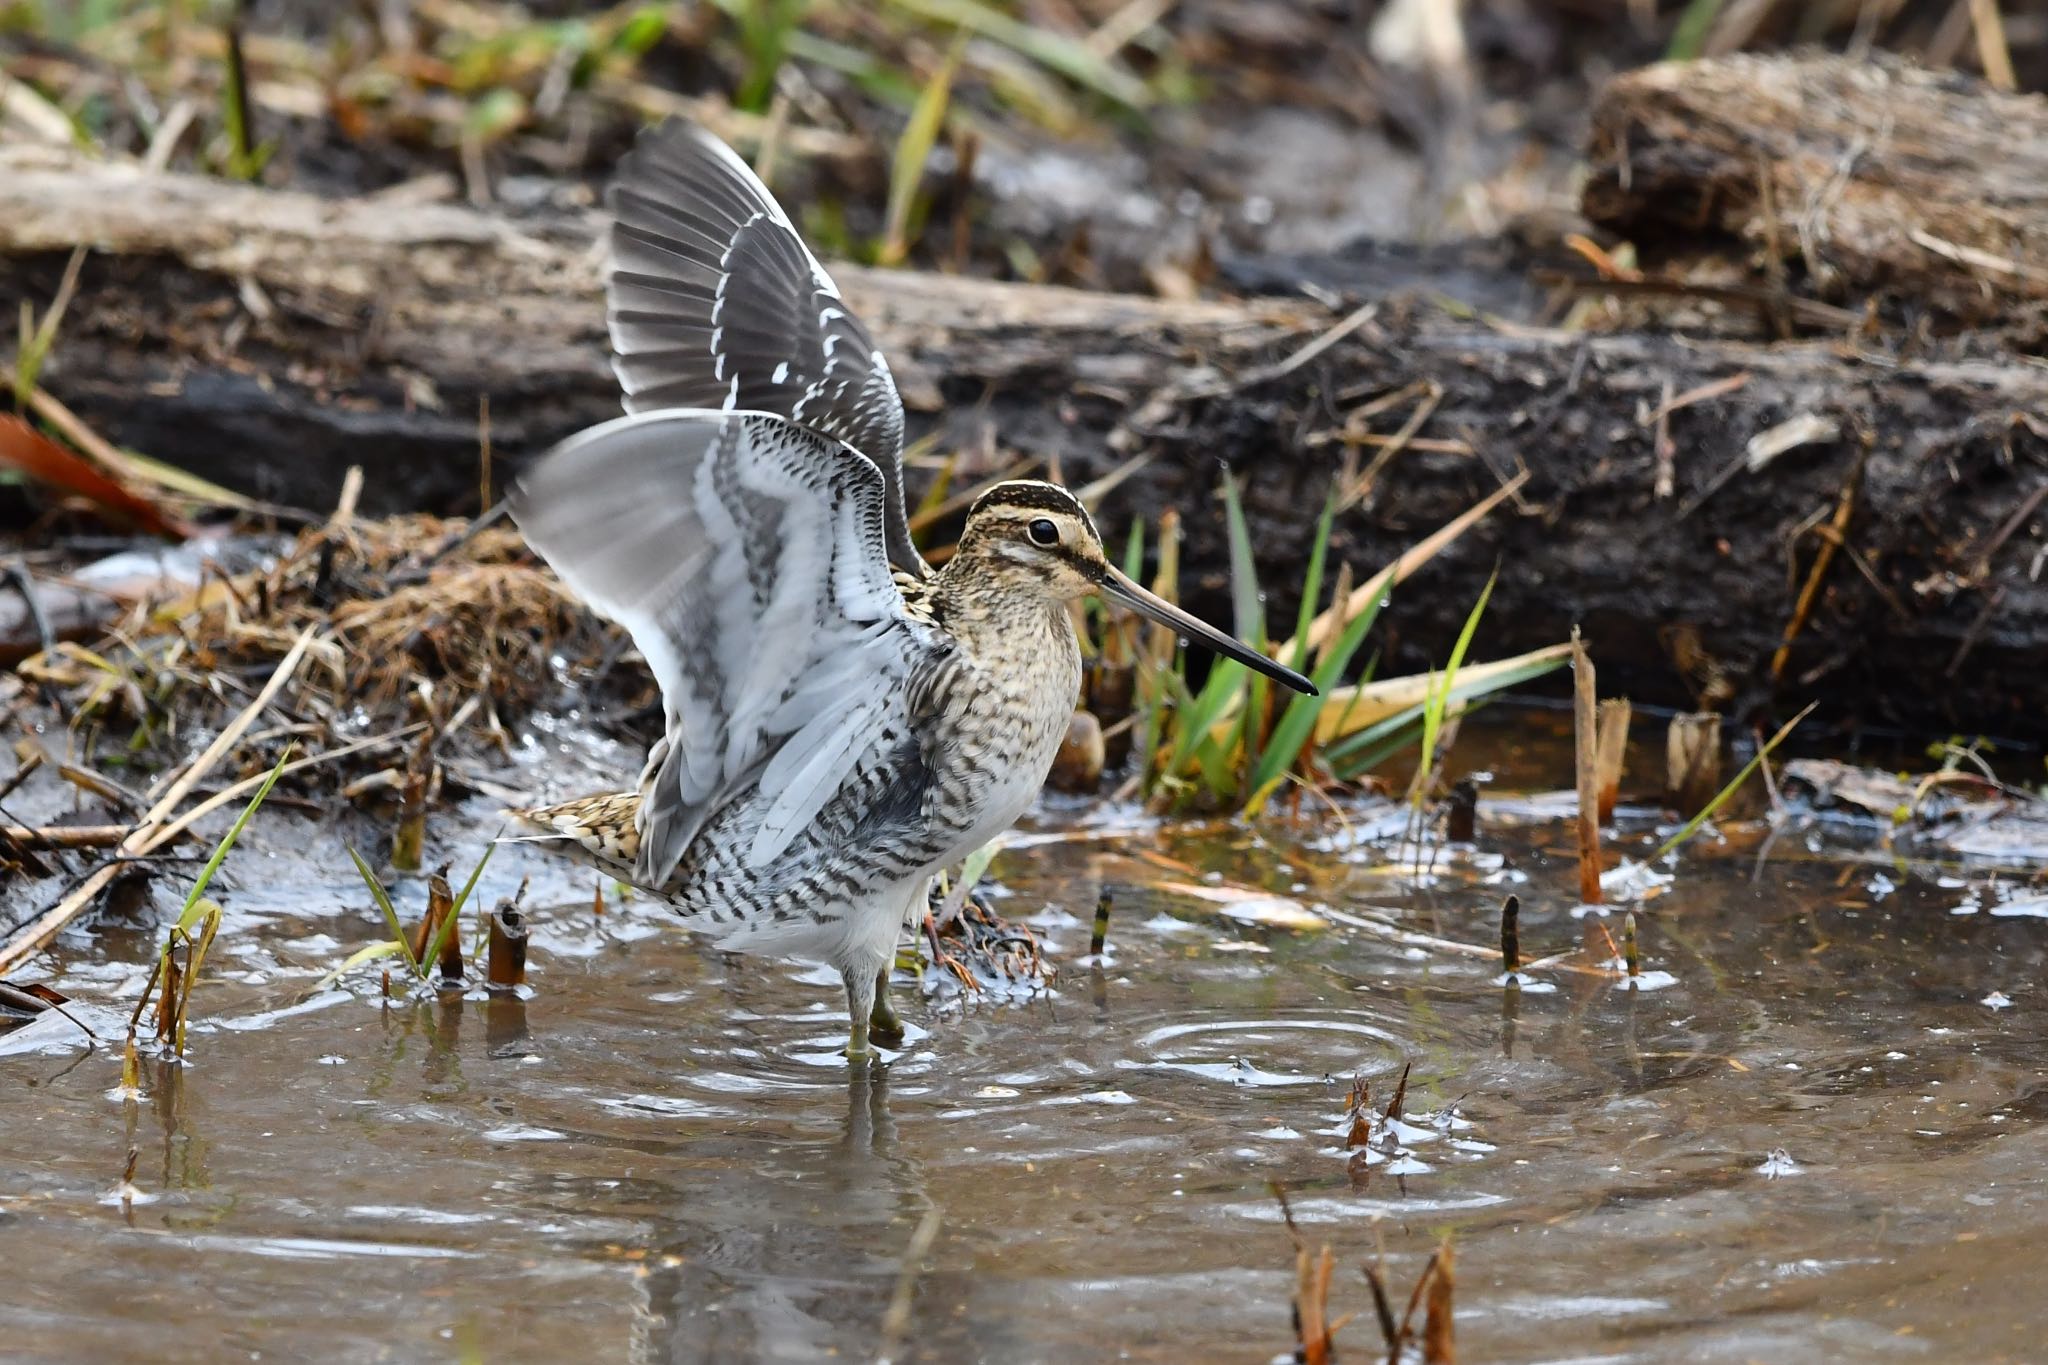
599,831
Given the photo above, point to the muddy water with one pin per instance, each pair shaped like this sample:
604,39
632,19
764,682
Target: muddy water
1821,1138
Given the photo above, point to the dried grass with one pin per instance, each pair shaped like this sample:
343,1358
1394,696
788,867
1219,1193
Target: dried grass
414,621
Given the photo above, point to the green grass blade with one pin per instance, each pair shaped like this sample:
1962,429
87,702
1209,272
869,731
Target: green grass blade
189,914
972,870
1439,699
1689,38
1069,57
1692,826
383,900
1248,613
390,947
765,28
913,150
1312,584
475,873
1357,753
1248,610
1298,723
1227,679
1376,744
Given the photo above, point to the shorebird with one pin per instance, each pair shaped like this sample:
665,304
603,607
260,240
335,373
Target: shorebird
842,720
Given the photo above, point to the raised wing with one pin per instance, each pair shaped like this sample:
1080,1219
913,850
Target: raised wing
714,301
744,555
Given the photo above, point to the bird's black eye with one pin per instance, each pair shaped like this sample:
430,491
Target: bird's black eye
1043,532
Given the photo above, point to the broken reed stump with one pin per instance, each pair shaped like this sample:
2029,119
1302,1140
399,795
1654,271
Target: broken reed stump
1439,1338
1585,722
1692,761
428,933
159,354
1461,812
1611,754
408,838
505,953
1511,937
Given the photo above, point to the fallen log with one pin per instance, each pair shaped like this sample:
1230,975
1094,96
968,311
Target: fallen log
268,340
1872,178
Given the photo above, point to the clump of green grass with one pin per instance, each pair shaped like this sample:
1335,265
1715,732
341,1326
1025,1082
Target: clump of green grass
38,336
198,921
1229,743
443,924
765,29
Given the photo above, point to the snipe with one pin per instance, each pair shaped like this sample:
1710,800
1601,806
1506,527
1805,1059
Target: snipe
843,721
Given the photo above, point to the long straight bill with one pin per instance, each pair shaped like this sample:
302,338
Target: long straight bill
1121,590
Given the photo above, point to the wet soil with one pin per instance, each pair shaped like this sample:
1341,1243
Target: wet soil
1819,1138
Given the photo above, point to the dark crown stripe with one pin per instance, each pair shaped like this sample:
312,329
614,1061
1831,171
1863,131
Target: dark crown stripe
1030,496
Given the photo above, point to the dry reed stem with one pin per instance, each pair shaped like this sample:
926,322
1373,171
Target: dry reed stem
30,938
1611,752
1439,1345
1692,759
1584,725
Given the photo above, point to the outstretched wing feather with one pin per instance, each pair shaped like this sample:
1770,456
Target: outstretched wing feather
743,553
715,301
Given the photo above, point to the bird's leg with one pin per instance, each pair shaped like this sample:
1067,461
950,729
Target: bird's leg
883,1024
860,1005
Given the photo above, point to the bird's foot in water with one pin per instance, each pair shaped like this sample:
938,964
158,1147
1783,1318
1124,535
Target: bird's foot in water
885,1028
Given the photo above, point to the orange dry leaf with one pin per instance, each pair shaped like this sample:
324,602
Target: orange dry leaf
24,448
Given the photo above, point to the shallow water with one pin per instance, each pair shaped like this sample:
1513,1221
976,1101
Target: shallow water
1822,1138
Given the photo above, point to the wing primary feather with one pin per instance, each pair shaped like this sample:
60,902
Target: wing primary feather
701,250
746,557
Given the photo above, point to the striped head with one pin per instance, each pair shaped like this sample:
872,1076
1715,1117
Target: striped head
1030,535
1027,536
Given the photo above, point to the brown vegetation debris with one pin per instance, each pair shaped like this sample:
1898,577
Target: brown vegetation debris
412,619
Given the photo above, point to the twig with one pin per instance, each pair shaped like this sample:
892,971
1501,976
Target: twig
1974,632
151,831
1356,489
1992,52
2028,506
233,793
24,583
1417,555
1845,510
1665,482
66,836
1719,388
29,762
1350,323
